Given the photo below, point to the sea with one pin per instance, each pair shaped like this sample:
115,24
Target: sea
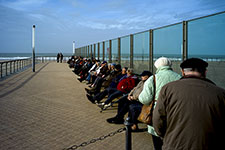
14,56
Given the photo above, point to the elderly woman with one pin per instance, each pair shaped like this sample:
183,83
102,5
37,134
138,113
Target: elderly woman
164,74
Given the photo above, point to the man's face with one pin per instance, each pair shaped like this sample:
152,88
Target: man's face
143,78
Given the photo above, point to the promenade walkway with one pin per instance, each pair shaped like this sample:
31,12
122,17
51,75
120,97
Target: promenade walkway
48,110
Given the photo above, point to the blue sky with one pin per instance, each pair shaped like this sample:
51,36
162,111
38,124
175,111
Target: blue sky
60,22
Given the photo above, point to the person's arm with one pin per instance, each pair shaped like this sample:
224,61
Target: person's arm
159,114
146,95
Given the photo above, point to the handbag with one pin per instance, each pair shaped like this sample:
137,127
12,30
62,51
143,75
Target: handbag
147,110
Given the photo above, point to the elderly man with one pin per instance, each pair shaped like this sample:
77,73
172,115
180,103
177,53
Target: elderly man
190,112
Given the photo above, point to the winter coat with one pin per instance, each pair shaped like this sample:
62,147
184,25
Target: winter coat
126,84
190,115
163,76
135,92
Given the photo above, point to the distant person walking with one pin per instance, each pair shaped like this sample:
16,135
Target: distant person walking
190,112
61,57
58,55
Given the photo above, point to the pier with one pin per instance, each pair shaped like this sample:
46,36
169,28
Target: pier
48,110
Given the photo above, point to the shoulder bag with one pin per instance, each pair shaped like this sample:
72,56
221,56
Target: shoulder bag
147,110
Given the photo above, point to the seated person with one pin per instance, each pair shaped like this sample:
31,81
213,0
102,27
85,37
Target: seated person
114,73
125,85
84,70
130,100
92,71
100,72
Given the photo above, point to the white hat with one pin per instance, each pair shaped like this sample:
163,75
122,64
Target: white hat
162,61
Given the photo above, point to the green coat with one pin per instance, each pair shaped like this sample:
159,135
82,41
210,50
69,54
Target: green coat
163,76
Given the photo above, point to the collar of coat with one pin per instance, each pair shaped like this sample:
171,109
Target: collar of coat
163,68
191,76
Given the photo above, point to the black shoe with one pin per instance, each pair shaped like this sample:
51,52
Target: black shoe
87,90
80,79
115,120
90,98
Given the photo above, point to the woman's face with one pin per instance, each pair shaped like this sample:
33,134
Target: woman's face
124,71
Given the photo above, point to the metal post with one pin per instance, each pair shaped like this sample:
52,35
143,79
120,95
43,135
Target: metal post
103,53
110,51
14,66
1,70
131,51
98,51
33,48
94,51
185,40
119,51
128,125
151,50
10,67
91,51
73,47
6,71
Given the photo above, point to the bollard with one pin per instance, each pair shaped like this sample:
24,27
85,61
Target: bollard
128,125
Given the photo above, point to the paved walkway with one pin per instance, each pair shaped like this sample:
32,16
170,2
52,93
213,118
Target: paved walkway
48,110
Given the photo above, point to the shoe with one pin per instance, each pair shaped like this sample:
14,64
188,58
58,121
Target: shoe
90,98
115,120
87,90
80,79
101,105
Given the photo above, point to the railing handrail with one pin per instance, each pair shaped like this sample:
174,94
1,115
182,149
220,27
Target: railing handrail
7,61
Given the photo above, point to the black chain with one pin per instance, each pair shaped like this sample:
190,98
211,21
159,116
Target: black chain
95,139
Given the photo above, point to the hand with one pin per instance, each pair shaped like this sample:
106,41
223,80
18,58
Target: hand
129,98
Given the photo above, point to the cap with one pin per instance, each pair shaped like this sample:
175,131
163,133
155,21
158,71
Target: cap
146,73
104,62
162,61
194,63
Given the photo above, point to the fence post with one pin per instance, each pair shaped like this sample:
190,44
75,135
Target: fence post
185,40
103,53
151,50
131,51
110,51
6,71
1,70
119,51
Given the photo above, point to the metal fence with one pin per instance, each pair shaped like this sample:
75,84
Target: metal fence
13,66
201,37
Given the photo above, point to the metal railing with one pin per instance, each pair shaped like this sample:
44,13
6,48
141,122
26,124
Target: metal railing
12,66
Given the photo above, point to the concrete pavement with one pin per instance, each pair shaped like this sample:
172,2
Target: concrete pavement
48,110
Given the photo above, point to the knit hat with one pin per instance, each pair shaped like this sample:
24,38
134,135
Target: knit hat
162,61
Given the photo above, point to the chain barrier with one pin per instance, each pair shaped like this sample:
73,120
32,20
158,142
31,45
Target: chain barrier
95,139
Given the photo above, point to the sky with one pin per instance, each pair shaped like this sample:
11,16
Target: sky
60,22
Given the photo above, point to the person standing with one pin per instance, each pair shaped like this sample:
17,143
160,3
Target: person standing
58,55
164,74
61,57
190,112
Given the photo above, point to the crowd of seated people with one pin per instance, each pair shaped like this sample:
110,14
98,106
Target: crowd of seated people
108,81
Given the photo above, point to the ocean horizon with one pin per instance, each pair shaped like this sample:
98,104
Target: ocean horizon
14,56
